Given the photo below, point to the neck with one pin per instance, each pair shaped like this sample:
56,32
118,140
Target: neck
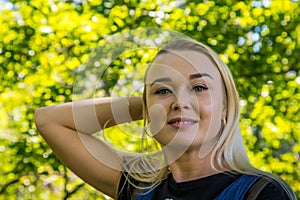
190,167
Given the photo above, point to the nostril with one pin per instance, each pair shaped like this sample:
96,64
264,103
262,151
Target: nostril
185,107
175,105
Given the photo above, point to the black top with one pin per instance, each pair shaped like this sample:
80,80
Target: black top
204,188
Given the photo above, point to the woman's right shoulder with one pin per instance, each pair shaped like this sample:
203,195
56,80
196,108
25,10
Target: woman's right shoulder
130,188
127,187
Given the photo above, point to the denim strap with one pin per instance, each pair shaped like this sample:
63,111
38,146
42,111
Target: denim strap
146,194
238,189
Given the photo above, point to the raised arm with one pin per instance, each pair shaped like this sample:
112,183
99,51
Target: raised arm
67,129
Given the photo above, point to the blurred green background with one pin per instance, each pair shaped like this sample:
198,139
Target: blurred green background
43,43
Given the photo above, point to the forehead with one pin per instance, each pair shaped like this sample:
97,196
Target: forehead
182,63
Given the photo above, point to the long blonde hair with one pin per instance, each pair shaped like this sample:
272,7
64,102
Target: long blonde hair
229,153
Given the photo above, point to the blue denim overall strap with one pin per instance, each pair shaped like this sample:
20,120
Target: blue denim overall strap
146,194
238,189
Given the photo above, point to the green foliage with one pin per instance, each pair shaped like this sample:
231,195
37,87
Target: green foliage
43,43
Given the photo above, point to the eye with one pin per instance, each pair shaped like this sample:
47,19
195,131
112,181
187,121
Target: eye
163,91
199,88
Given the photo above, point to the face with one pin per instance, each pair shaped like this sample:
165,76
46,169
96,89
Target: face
184,99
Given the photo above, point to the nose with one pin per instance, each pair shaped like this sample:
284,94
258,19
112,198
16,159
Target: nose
181,102
175,105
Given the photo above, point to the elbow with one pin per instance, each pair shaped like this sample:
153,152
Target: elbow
40,119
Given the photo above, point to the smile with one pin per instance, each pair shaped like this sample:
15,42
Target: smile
181,123
184,122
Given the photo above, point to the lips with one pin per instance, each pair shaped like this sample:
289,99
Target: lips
182,122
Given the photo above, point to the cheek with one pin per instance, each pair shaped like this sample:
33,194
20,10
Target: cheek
205,108
157,117
211,105
213,118
211,115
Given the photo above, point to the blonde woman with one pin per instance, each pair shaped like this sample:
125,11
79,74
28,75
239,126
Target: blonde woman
190,106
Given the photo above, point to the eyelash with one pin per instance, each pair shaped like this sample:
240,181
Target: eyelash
165,91
203,88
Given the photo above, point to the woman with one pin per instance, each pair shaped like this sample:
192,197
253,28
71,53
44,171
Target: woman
190,106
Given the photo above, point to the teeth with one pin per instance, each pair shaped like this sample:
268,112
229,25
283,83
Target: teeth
184,122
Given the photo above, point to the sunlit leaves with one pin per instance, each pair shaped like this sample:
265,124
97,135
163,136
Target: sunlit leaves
43,43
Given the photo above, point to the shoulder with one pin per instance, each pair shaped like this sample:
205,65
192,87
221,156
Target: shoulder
259,187
126,187
130,188
272,190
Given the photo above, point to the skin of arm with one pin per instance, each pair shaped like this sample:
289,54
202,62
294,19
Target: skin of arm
64,127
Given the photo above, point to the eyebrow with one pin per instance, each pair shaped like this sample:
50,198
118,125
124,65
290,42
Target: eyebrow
199,75
165,79
192,76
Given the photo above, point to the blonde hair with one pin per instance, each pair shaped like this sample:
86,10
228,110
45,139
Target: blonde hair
229,153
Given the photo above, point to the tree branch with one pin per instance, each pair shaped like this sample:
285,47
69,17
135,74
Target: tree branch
68,194
8,184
